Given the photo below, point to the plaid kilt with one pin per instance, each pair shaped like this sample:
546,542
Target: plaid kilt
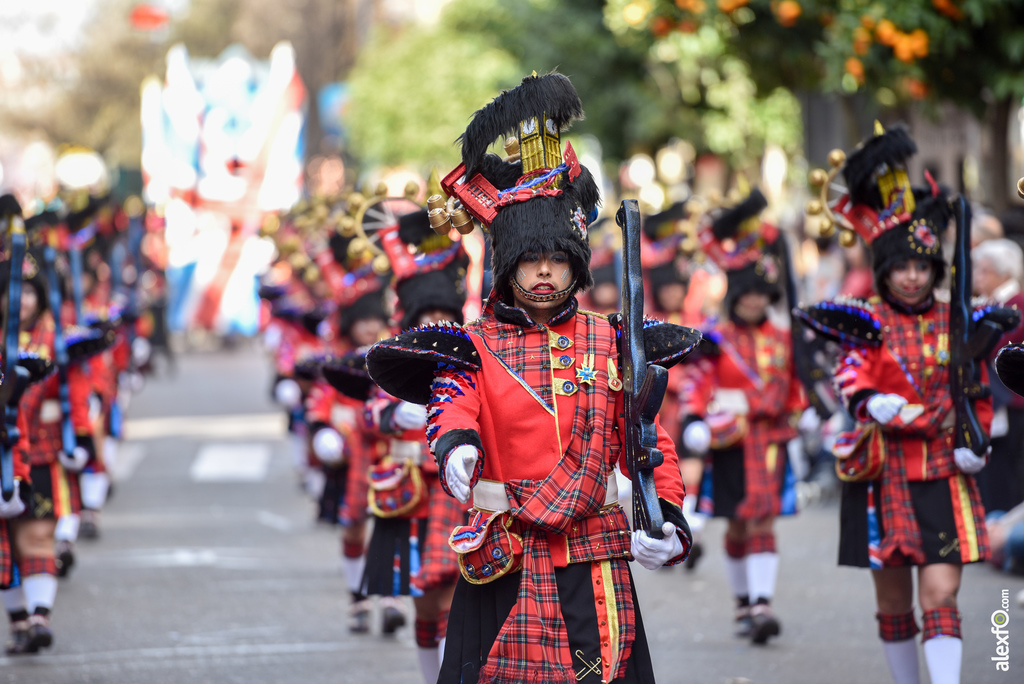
439,565
725,485
393,556
6,555
479,611
55,493
947,515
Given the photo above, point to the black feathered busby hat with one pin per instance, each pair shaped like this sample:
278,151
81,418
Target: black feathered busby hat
744,247
917,238
439,279
541,202
367,306
895,220
660,254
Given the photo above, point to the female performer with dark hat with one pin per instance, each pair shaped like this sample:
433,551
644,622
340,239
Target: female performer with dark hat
742,403
524,419
909,497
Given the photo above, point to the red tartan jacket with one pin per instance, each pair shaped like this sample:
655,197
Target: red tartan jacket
522,407
757,361
913,362
40,402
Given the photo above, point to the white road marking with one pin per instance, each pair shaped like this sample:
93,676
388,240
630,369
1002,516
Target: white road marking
231,462
238,426
129,454
275,521
190,652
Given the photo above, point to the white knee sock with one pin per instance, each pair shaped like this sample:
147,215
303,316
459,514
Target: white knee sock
94,489
353,569
14,600
943,655
736,570
429,664
902,657
761,571
40,591
67,527
440,650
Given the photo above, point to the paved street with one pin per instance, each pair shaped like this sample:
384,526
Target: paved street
210,569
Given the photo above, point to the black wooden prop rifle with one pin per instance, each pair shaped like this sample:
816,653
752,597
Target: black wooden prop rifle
14,227
811,375
643,386
969,341
60,348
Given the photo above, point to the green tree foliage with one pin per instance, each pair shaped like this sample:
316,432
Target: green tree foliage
438,77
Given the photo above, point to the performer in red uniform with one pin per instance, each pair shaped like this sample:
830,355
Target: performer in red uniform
743,400
909,496
54,493
525,418
408,553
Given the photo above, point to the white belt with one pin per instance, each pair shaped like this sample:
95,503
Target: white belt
489,495
732,401
407,450
49,411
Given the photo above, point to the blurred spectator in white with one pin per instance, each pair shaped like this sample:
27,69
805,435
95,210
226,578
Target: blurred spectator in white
998,267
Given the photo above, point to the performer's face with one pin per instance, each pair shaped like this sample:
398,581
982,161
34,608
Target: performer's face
366,331
29,304
752,307
540,276
670,297
911,281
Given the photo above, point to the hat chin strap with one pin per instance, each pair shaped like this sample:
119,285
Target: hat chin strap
540,298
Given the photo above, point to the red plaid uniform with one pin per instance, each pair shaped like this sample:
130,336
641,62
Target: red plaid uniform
438,563
941,621
913,362
553,442
897,627
758,360
43,427
37,565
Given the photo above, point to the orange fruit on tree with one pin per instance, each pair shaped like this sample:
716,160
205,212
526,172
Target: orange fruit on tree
789,11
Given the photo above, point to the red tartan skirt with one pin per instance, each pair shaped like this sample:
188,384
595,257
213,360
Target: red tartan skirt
479,611
945,511
724,484
6,555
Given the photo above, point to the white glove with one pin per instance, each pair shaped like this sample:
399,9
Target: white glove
141,350
968,461
409,416
458,471
287,393
809,421
697,437
14,507
328,445
75,461
884,407
653,553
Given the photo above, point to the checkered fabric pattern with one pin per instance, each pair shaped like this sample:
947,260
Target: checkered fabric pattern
6,556
897,627
735,548
765,351
37,565
761,543
942,621
906,337
438,563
